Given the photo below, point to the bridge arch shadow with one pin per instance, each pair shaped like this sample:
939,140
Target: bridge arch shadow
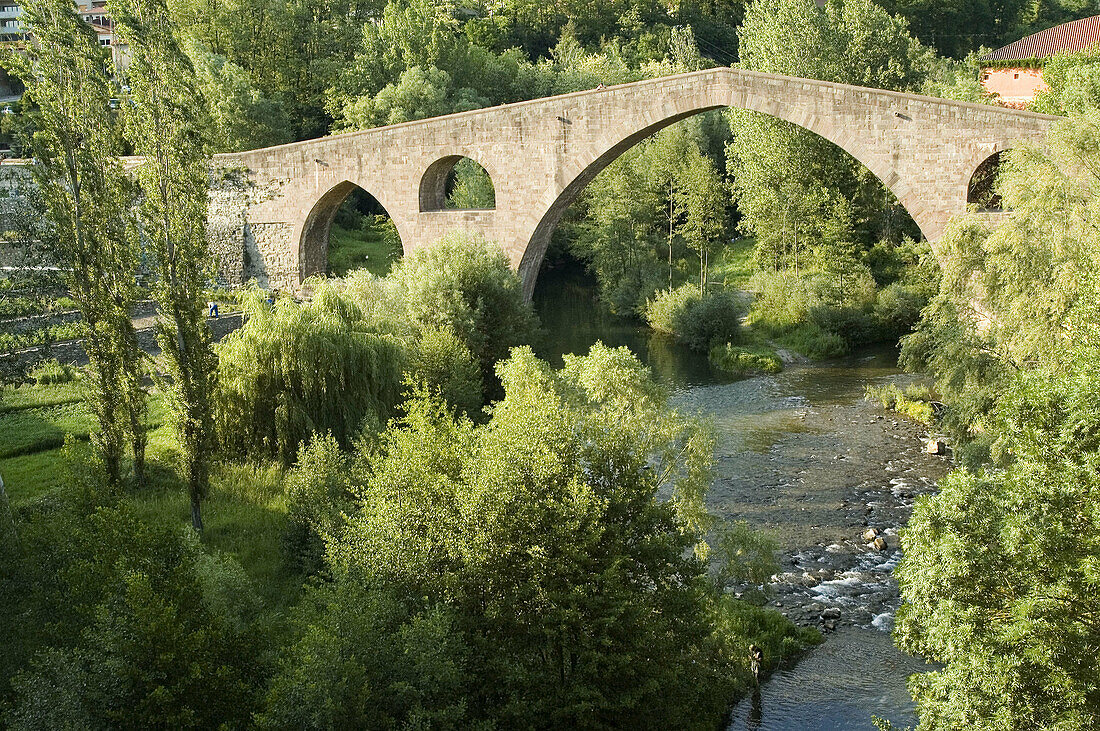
455,182
982,189
367,236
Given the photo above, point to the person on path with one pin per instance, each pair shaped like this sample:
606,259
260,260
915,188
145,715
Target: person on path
213,309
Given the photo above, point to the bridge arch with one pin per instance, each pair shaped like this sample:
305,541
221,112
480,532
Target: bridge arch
313,244
438,184
825,123
981,191
585,171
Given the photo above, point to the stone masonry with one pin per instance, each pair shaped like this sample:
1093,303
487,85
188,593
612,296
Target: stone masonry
272,208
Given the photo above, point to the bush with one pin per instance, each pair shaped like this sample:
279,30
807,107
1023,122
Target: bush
446,367
739,361
316,495
915,401
823,314
897,308
295,370
51,371
698,320
465,284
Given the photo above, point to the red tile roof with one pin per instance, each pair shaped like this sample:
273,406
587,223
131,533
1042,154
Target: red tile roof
1076,35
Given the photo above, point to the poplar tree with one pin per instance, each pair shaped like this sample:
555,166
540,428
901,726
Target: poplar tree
163,122
83,200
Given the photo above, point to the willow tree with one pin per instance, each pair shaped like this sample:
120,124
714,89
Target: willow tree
165,126
82,200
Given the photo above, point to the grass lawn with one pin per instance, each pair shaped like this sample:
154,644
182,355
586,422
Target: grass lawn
369,248
734,266
731,268
244,513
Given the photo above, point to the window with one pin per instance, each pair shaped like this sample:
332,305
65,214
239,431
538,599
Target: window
1016,76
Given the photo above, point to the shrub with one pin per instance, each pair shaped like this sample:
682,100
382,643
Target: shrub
739,361
51,371
897,308
698,320
915,401
295,370
465,284
317,494
445,366
823,314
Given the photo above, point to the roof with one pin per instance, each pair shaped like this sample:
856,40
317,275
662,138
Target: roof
1076,35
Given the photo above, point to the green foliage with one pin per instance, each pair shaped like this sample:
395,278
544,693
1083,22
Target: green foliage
645,215
368,658
241,116
370,242
81,208
958,27
531,554
50,371
115,621
166,126
699,320
317,493
744,555
42,336
295,370
1000,573
914,401
799,195
444,366
1007,296
999,576
473,188
742,361
465,284
1073,83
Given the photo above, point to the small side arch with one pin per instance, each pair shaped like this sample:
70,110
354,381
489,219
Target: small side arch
313,247
456,182
981,191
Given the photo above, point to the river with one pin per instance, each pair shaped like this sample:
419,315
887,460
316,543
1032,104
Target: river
802,455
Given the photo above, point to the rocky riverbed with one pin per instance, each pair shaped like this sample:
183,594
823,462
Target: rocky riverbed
804,457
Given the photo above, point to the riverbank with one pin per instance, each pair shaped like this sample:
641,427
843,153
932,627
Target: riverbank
804,456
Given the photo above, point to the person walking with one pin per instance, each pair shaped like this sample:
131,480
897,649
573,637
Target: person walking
213,305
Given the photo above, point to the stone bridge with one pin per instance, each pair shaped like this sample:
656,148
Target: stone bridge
272,208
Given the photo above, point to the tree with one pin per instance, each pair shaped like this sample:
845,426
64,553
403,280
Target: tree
241,116
1073,84
554,554
999,575
84,199
466,285
119,622
297,370
797,192
165,126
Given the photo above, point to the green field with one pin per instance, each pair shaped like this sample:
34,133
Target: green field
373,247
244,514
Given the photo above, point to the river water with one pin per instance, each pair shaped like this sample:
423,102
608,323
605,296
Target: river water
803,456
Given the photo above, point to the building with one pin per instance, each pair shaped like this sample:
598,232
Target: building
1015,72
93,12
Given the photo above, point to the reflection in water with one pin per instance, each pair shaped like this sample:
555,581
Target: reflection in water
756,711
795,455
